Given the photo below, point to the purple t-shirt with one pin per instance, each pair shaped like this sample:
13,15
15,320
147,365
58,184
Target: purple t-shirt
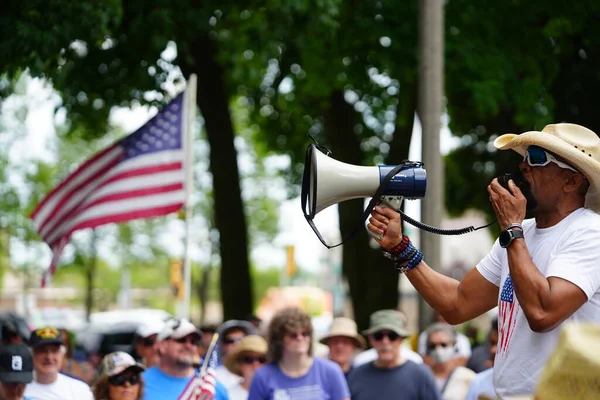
324,381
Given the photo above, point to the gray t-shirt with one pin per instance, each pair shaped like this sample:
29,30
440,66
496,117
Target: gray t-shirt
406,382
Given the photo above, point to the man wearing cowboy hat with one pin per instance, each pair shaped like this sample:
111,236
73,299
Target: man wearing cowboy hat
343,341
542,271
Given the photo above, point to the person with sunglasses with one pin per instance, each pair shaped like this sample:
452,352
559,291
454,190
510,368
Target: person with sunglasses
145,341
231,332
248,356
177,346
451,378
541,272
292,371
390,376
119,378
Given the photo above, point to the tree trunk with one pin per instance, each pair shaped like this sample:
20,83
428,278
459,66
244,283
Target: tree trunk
213,100
372,280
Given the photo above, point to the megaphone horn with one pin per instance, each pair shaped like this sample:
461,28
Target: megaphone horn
327,181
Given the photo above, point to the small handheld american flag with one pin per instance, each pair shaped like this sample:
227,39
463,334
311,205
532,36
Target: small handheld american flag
204,384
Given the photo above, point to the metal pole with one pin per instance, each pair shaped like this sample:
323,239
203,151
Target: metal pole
430,102
188,132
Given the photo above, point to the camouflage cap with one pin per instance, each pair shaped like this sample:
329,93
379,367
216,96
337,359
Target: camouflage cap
117,362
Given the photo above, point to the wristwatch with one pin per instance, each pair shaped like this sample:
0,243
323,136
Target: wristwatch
509,234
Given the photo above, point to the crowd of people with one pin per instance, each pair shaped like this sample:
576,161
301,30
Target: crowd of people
281,360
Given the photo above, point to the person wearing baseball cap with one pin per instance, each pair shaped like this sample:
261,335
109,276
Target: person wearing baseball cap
16,371
120,378
177,346
49,384
145,341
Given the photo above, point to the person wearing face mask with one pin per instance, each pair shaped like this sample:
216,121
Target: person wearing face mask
452,380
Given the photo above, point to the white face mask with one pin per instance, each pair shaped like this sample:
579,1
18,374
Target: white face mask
441,355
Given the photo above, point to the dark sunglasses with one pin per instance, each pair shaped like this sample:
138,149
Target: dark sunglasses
433,346
148,342
193,340
393,336
228,340
294,335
538,157
252,360
120,380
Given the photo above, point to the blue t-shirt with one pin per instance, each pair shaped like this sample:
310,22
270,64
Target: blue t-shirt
323,381
160,386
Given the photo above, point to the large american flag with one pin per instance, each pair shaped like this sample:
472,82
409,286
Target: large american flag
508,310
140,176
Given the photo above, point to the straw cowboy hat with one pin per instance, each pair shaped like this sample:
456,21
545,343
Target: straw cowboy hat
344,327
248,344
576,144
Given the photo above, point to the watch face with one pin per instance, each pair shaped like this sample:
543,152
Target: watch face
505,238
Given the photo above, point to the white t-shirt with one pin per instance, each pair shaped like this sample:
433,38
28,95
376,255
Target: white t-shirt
568,250
226,377
371,355
237,392
63,388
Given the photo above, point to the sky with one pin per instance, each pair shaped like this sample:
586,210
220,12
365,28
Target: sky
294,230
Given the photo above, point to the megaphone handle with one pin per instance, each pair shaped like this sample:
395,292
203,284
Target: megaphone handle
393,202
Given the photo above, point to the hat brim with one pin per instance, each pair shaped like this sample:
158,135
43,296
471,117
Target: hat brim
358,340
16,377
231,359
137,367
387,327
46,342
587,165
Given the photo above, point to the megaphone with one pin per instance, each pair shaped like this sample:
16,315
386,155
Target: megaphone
327,181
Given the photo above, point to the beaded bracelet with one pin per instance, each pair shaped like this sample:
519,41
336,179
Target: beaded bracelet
412,263
404,243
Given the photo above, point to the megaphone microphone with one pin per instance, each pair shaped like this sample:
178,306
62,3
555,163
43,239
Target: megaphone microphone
326,182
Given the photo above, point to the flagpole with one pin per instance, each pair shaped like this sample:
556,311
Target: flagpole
190,114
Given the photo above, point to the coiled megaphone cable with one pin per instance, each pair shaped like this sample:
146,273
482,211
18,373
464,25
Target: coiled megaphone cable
440,231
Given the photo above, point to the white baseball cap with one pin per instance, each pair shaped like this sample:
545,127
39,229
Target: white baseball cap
149,328
177,329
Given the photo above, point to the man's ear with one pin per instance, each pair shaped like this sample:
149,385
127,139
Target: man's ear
576,182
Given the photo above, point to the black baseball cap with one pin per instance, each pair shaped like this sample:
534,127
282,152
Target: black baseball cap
44,336
16,364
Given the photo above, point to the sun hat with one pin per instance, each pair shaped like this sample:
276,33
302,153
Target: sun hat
248,344
344,327
387,320
577,145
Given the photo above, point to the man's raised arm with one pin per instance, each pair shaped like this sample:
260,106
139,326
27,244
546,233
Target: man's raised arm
456,301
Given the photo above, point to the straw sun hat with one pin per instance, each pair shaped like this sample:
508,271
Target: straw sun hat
576,144
248,344
344,327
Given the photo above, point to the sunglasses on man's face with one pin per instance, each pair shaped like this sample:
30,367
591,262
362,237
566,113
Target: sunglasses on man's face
148,342
120,380
433,346
232,340
191,339
393,336
538,157
252,360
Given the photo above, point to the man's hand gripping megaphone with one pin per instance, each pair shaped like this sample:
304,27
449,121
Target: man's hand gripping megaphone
385,226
